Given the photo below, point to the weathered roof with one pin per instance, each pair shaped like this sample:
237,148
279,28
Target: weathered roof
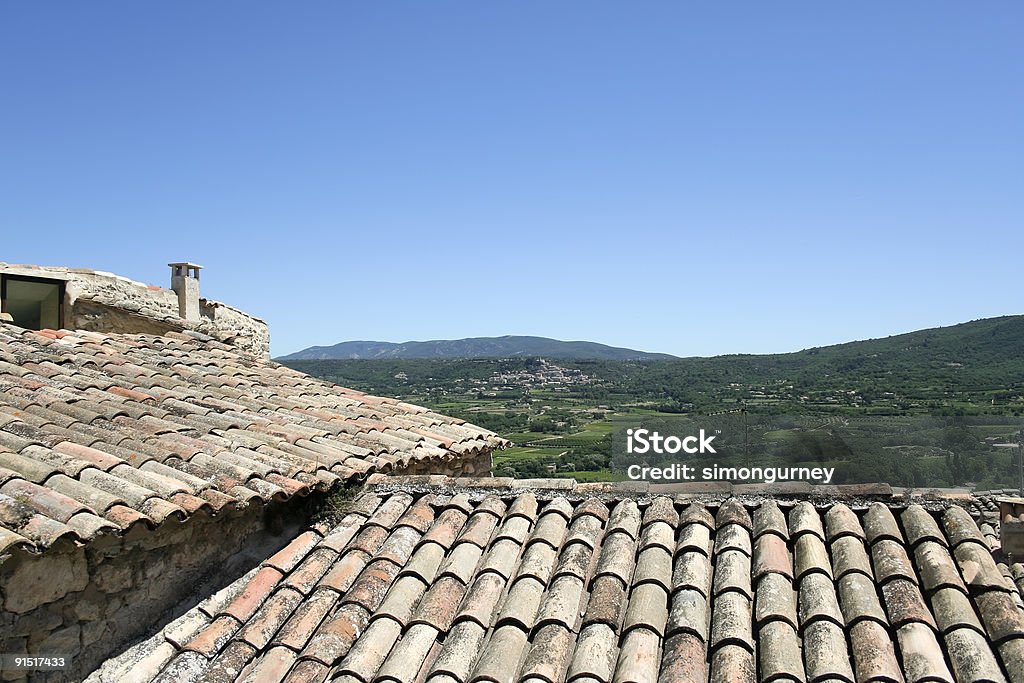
108,298
550,581
100,432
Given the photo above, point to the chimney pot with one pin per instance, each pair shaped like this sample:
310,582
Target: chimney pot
185,282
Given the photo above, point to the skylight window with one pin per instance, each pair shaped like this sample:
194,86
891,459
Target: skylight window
34,303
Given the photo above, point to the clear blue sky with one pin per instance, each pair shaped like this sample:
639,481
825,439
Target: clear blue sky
692,178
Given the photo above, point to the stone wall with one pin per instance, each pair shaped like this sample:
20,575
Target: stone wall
88,315
234,327
104,302
90,601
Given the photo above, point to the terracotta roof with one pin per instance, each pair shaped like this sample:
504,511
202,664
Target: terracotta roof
550,581
99,432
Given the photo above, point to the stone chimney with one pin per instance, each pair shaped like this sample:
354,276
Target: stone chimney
185,282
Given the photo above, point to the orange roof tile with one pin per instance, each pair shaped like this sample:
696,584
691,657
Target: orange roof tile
136,428
612,583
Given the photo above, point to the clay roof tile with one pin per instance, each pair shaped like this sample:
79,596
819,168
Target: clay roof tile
810,555
850,555
732,573
1002,617
647,608
595,654
804,519
890,560
960,527
499,659
731,620
842,521
905,604
618,556
775,600
768,518
921,654
732,662
779,652
458,653
825,652
873,652
732,511
817,600
921,526
423,584
771,556
638,659
625,517
654,565
440,604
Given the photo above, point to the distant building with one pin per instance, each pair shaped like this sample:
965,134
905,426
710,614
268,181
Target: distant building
42,297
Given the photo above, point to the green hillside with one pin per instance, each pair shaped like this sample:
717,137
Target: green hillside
938,407
979,361
475,347
980,364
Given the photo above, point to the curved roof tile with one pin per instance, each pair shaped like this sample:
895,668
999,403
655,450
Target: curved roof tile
379,597
112,430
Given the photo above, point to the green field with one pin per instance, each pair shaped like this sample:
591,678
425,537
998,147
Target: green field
924,409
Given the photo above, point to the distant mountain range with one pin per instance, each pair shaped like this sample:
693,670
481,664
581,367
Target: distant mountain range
475,347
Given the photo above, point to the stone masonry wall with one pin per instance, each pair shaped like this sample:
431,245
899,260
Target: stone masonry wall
90,601
234,327
88,315
104,302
